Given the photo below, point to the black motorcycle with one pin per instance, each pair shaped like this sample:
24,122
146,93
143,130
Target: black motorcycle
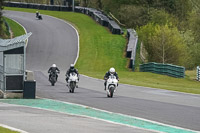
39,16
53,78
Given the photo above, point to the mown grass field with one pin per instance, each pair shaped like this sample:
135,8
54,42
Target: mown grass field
4,130
100,50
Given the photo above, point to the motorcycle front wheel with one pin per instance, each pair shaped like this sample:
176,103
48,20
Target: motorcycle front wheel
72,86
111,91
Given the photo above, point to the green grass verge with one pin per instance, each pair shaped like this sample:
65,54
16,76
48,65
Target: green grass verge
5,130
100,50
16,29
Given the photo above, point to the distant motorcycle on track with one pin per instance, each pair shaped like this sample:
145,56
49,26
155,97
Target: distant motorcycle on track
72,82
38,16
111,86
53,78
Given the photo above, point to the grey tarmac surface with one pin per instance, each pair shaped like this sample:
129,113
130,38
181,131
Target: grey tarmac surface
168,107
52,41
42,121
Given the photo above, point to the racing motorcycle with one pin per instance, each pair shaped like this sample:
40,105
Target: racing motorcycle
53,78
39,16
111,85
72,82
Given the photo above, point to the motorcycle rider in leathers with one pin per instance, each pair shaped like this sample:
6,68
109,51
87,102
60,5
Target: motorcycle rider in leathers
70,70
52,69
111,71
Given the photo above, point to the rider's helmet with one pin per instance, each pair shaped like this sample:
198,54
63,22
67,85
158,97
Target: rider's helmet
72,66
54,65
112,70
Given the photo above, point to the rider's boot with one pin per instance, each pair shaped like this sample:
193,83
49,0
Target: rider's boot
105,85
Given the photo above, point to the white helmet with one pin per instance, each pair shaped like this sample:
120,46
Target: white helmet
54,65
112,70
72,66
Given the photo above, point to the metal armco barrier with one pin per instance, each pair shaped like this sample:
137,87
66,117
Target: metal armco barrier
98,16
164,69
38,6
101,18
131,47
198,73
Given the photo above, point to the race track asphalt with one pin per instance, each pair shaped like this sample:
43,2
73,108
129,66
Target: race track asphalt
44,121
53,41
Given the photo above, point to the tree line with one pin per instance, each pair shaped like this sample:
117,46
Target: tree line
169,29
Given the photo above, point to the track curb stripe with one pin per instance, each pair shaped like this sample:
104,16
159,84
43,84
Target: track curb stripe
85,111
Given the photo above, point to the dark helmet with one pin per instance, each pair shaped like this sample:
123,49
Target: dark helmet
72,66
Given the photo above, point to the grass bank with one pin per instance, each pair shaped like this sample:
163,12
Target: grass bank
100,50
4,34
5,130
16,29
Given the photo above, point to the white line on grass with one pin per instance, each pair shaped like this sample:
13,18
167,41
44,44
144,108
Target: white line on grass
12,128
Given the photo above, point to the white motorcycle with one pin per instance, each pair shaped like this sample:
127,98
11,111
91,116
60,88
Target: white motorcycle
111,85
72,82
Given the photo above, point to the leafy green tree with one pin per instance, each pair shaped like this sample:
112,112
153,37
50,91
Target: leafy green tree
179,8
110,6
182,9
164,44
192,36
94,4
195,54
84,3
195,25
161,17
195,4
133,16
